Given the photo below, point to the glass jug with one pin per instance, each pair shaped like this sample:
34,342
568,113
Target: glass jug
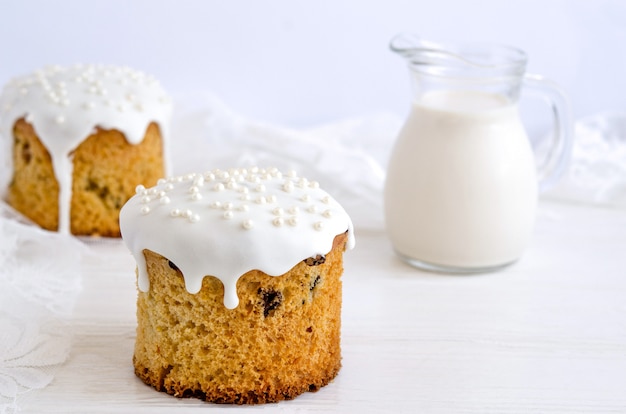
462,182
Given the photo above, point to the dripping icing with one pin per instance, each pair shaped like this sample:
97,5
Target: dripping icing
222,235
65,104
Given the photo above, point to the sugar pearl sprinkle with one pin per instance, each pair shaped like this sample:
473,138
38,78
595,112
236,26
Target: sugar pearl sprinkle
228,232
247,198
83,88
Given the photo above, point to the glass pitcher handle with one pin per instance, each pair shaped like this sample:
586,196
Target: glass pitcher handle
558,156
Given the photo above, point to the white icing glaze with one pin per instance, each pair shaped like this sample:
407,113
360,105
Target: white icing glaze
245,219
65,104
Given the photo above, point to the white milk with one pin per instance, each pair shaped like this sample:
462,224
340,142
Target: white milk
461,186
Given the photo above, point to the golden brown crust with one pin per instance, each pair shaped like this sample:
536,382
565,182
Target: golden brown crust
261,395
282,340
34,189
106,171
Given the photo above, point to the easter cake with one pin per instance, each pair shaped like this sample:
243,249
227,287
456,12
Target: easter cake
77,140
239,284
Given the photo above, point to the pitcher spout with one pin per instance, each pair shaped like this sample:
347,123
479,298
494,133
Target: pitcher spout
474,60
405,44
417,50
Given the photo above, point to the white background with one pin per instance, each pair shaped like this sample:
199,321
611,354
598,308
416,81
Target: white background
306,63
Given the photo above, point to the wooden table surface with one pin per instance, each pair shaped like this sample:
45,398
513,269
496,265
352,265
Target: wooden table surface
546,335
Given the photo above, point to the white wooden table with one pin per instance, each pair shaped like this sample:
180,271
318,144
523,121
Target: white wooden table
546,335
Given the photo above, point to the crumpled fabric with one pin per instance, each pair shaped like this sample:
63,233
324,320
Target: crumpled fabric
597,169
40,281
347,157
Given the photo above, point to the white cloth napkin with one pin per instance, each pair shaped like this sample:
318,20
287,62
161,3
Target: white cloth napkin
597,170
347,157
39,282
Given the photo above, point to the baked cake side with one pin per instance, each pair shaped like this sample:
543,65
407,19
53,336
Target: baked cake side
282,340
106,170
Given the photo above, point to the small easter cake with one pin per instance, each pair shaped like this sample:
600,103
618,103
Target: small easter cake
239,277
77,140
